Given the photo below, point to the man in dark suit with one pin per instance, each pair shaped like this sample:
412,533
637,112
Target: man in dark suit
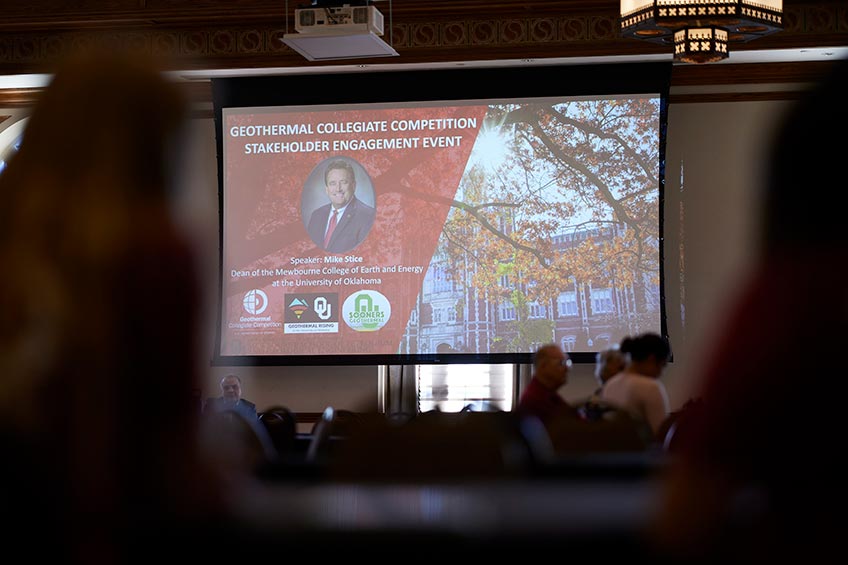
342,224
231,399
237,427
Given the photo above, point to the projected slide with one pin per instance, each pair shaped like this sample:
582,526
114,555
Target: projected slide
485,226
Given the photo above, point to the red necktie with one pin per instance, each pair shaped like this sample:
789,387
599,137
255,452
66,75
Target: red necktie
330,229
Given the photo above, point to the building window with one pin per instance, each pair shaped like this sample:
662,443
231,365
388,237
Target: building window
441,279
602,341
568,343
537,310
437,315
450,388
567,304
602,300
507,311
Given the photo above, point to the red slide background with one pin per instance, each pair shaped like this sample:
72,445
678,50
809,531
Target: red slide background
264,230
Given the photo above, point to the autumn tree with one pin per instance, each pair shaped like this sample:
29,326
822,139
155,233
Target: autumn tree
540,172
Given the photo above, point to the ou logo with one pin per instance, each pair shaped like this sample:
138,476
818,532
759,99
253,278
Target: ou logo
255,301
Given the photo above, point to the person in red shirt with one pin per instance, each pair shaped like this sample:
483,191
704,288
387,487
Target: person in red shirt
541,398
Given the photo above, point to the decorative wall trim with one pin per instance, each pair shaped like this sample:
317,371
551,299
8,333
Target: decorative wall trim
211,36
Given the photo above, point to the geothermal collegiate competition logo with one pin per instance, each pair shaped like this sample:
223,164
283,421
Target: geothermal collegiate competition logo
255,301
366,311
312,313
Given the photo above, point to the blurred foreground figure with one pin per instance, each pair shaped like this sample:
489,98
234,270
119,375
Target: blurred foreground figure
97,322
759,476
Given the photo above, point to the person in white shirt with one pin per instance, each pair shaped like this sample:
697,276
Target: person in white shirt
637,389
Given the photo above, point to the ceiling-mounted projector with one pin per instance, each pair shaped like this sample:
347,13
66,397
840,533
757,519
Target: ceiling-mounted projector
339,31
340,19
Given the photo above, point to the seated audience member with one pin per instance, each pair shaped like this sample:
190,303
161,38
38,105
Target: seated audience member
541,396
231,399
240,442
637,388
608,363
568,432
98,296
758,475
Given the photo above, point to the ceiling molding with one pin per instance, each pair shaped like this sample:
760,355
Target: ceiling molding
224,34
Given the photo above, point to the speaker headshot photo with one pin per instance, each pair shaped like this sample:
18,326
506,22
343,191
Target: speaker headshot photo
339,200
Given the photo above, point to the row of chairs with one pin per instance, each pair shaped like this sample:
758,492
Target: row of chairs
448,446
441,445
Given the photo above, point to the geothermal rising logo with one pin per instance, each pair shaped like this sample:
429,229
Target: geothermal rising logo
366,311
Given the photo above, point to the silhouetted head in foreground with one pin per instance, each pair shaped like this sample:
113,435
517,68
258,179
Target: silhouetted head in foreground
805,199
99,296
757,466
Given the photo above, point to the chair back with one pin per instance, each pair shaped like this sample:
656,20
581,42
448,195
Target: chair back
238,441
615,430
321,432
435,446
281,424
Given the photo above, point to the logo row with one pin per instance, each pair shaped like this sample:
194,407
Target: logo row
363,310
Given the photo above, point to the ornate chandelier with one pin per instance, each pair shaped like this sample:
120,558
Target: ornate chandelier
700,30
